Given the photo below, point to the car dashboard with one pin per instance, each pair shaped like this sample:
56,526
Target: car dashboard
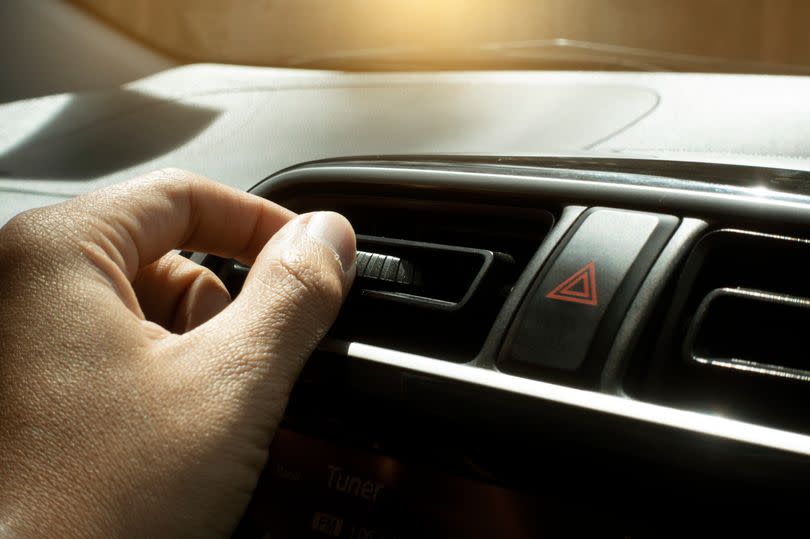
531,339
580,297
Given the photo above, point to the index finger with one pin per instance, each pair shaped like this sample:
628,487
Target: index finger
139,221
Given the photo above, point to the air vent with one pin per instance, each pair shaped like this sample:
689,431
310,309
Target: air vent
735,339
432,274
751,331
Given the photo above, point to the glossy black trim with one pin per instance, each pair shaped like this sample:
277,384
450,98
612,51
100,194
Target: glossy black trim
706,195
777,181
486,358
646,301
725,205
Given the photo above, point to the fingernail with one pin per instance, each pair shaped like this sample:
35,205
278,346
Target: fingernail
334,231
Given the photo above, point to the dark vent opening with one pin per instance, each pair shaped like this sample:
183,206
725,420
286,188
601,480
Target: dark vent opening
734,337
444,269
751,330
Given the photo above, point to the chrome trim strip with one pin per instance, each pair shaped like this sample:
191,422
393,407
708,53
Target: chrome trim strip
654,413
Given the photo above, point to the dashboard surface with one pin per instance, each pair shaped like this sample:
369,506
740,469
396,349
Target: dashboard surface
241,124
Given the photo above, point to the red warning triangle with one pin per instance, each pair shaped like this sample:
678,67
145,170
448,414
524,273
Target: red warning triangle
578,288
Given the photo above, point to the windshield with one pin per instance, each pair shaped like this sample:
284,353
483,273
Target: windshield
738,36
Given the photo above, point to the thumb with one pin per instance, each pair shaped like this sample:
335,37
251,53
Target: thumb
290,298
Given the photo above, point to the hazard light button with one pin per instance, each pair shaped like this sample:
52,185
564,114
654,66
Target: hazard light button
572,312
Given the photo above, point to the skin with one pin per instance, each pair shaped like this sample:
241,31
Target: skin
137,399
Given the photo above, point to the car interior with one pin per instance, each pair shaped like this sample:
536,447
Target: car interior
583,232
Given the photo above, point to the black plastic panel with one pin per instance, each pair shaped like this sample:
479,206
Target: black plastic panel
550,442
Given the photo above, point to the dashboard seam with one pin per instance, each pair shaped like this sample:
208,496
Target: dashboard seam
629,125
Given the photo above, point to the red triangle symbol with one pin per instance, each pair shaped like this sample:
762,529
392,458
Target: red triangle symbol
578,288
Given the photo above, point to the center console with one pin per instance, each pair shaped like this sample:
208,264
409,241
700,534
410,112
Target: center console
546,344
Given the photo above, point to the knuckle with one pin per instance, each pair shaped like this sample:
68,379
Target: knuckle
27,231
28,244
168,178
170,174
205,274
205,278
307,280
175,172
24,223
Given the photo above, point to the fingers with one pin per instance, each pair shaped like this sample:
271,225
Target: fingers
290,299
179,294
135,223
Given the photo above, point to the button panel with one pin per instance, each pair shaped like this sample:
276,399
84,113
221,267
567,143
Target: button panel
573,310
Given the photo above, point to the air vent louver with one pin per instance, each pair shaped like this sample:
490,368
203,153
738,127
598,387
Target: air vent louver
734,341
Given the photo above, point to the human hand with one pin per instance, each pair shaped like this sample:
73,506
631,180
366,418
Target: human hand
137,400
